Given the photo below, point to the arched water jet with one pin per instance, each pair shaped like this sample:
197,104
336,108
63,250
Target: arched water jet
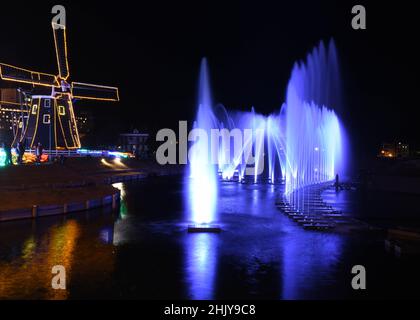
315,140
303,144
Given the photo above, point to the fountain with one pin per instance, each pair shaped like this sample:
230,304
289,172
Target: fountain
302,145
314,135
202,173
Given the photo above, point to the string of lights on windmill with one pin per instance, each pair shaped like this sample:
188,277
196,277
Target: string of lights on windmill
49,119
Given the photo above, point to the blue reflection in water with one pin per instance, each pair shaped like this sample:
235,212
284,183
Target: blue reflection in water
107,235
309,261
201,265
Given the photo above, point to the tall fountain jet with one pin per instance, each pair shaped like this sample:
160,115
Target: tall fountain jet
303,144
314,139
202,175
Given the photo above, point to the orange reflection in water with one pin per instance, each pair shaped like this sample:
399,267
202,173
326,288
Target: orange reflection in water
30,275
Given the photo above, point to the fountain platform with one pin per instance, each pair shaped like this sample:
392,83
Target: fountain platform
204,228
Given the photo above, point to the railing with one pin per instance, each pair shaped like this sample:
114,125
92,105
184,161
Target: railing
57,153
81,153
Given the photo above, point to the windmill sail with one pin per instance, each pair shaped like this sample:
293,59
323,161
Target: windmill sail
12,73
48,118
94,92
60,41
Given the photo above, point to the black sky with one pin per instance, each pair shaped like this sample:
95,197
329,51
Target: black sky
152,51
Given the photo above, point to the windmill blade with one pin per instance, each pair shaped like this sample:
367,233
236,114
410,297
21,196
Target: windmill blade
12,73
94,92
60,41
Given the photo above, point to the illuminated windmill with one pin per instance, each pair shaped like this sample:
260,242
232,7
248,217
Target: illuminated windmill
49,118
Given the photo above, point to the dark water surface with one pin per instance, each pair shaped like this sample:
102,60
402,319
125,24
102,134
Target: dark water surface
144,251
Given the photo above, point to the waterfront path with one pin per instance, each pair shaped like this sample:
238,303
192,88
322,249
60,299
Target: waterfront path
76,185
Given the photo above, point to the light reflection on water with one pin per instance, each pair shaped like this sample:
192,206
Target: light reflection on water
309,263
31,263
144,251
120,186
200,265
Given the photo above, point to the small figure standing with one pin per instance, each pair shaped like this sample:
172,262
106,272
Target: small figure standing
20,149
39,151
62,160
337,182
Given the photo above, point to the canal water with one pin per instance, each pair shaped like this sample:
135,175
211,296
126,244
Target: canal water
144,252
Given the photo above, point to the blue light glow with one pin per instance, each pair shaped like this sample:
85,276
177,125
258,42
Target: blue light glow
315,138
104,153
303,144
201,265
2,158
202,173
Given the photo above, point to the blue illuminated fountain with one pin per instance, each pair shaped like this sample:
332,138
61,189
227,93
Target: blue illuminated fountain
202,173
315,140
302,145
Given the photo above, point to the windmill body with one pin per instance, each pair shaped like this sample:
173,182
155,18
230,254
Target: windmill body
49,119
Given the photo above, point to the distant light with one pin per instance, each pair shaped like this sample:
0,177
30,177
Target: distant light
119,154
316,149
2,158
120,186
118,162
106,163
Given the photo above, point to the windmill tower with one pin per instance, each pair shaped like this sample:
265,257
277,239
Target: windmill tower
48,117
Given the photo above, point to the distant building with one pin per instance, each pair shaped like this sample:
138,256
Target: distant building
85,123
395,150
8,119
403,150
9,94
135,143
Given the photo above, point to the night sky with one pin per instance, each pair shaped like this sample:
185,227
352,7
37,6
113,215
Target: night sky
152,51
